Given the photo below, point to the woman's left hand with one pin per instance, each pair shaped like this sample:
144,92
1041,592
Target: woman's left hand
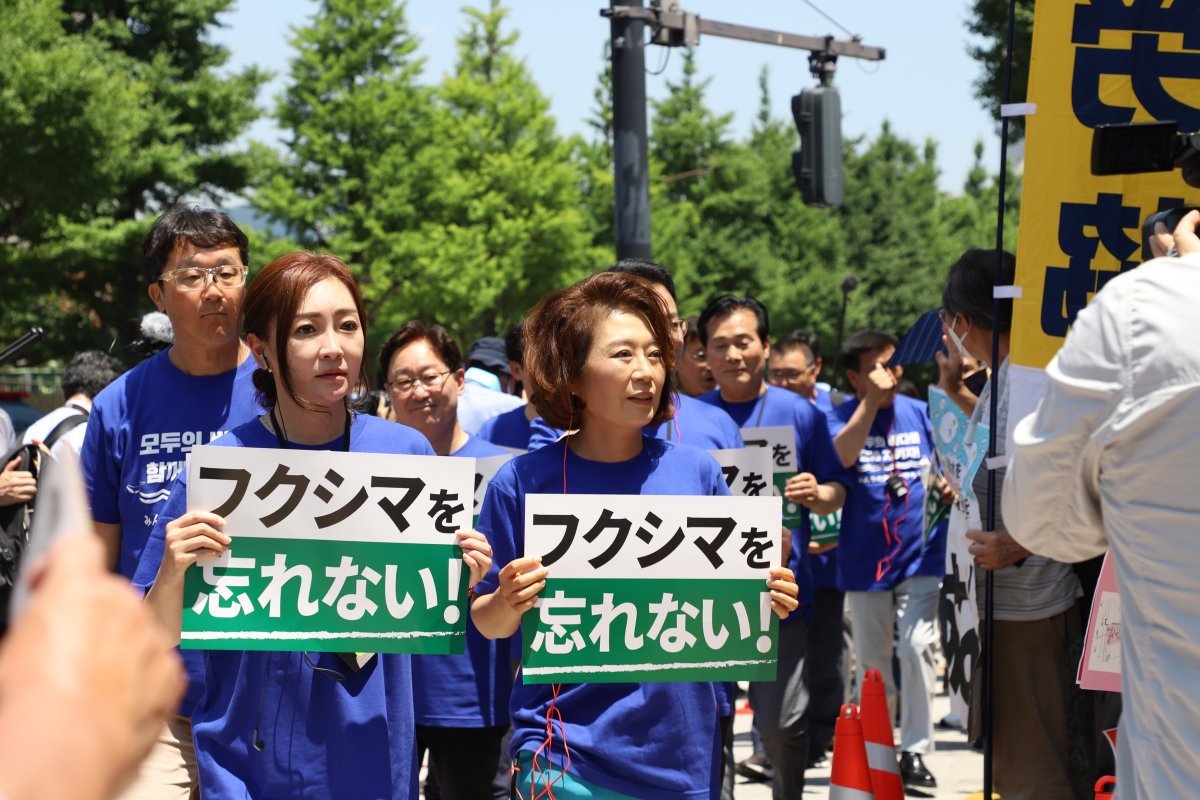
784,591
477,555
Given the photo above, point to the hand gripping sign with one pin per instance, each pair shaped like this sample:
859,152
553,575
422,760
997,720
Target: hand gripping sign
330,551
779,441
652,588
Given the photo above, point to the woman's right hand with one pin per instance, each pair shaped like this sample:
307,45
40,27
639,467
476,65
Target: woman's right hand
194,535
521,580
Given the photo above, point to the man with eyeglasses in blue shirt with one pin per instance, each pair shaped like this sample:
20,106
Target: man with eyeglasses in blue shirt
143,425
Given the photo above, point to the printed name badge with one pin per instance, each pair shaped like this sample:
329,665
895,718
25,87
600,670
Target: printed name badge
331,551
485,470
780,443
747,470
651,588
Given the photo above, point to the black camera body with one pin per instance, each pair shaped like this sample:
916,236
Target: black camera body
1143,147
896,488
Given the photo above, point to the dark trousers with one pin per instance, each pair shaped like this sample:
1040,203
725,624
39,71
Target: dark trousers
779,707
826,666
728,763
465,763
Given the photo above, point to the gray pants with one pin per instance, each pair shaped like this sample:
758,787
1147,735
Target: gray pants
911,609
779,707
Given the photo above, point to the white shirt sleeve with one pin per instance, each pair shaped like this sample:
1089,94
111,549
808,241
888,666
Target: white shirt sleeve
1052,491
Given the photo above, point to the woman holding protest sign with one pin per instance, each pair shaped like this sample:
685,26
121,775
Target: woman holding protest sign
598,362
289,724
461,700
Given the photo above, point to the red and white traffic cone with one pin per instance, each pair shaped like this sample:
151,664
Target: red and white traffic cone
877,734
1105,788
850,776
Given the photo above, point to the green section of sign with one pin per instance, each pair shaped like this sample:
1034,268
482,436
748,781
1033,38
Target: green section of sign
621,630
793,513
337,596
825,529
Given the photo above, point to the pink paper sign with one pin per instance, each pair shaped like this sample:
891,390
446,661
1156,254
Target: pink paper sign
1100,667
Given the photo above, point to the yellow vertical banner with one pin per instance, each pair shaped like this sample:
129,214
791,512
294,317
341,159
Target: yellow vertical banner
1093,63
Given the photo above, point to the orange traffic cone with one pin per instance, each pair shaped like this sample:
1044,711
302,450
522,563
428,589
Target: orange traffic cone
1105,788
877,733
850,777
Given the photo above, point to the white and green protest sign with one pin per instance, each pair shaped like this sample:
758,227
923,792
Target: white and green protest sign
651,588
332,551
825,527
485,469
779,441
747,470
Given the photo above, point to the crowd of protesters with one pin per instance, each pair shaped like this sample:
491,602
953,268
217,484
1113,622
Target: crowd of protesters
603,389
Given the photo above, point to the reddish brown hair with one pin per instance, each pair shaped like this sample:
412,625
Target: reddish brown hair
273,300
558,338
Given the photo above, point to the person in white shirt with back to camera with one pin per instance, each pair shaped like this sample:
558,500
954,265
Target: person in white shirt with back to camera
1108,461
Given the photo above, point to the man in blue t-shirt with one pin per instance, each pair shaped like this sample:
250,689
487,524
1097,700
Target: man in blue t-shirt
888,566
795,366
143,425
736,340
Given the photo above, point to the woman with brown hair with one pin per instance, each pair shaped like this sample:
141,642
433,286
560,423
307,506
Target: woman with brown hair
598,362
287,724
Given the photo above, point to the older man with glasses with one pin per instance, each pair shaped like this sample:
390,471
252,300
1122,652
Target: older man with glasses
143,425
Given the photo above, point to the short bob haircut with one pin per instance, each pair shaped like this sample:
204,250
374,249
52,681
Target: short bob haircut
272,303
416,331
558,338
970,285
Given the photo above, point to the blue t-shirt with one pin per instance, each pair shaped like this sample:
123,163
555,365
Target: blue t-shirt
873,558
320,737
823,400
814,453
659,741
139,432
700,425
469,690
510,429
142,427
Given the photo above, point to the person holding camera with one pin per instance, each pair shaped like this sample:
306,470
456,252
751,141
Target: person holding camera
1108,462
888,568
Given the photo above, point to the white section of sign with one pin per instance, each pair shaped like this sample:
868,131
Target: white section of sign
779,442
485,470
654,536
743,463
433,498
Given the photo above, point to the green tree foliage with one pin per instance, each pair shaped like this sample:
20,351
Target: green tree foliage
989,21
357,163
111,111
504,224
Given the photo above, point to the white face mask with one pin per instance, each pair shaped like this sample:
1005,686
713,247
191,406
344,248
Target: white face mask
958,342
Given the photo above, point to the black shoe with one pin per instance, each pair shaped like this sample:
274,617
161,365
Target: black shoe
817,757
914,773
756,768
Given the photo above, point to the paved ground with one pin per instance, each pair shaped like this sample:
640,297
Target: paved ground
957,767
